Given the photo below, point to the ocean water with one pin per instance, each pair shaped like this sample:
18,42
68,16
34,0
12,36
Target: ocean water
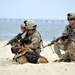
48,30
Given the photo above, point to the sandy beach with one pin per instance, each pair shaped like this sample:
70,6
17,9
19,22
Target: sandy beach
8,67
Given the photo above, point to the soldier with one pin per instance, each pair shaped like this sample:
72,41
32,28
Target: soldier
23,29
16,40
19,36
34,37
70,48
63,45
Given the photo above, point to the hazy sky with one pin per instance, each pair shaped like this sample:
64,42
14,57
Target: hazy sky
36,9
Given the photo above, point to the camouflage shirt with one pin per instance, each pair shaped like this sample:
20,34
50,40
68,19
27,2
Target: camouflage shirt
35,40
66,32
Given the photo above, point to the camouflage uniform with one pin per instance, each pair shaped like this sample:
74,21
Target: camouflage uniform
70,53
63,45
35,37
70,50
36,40
60,45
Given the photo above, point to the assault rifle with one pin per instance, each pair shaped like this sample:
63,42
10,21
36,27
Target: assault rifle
15,39
63,37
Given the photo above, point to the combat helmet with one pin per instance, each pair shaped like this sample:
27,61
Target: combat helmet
23,25
71,16
31,24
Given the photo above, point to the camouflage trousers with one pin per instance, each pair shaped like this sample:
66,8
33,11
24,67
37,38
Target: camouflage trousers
37,51
70,53
60,45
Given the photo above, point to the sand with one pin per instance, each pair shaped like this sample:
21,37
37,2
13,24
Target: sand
8,67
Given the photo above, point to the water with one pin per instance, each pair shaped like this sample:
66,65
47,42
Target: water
48,30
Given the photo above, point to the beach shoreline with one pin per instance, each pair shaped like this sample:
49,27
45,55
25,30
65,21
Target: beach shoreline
8,67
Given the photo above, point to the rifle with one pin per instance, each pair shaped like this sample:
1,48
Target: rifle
63,37
15,39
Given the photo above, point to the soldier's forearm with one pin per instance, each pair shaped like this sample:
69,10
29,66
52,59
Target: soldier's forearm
21,53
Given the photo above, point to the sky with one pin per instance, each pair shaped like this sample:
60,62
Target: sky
36,9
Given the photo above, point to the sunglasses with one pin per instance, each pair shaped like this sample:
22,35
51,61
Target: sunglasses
71,19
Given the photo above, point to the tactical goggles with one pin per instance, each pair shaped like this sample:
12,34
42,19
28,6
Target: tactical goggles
70,19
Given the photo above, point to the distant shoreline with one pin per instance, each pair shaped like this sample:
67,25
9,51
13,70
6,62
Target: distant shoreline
37,20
